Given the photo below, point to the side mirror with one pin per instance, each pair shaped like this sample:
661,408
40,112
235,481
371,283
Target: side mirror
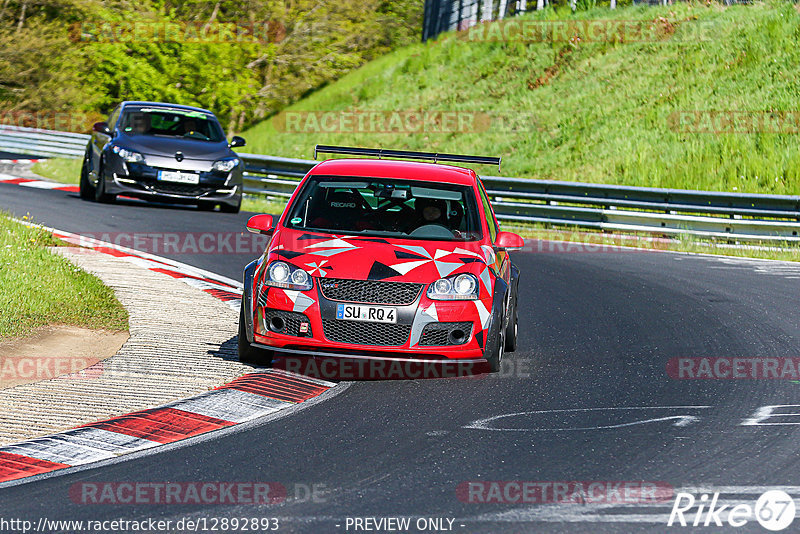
260,224
237,141
509,241
101,127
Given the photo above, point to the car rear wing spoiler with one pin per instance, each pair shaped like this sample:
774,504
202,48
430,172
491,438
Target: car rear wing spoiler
405,154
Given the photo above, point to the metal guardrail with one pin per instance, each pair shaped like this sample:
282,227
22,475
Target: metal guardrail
37,142
729,216
719,215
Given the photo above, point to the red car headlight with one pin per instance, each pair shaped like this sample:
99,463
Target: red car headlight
461,287
281,274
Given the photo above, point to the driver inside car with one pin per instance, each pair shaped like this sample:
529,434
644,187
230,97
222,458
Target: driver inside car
429,211
190,127
140,123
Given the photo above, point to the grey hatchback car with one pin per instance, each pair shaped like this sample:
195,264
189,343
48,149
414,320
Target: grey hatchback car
165,152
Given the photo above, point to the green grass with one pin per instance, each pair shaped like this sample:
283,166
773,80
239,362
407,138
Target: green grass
597,112
63,170
39,288
260,204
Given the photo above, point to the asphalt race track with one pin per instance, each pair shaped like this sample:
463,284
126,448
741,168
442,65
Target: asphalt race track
16,155
588,384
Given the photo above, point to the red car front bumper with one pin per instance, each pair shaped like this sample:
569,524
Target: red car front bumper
410,340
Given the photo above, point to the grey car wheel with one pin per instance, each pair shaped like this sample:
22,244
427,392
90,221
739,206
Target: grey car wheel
495,351
248,353
100,194
86,188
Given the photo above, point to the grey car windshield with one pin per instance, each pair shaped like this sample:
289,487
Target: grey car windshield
184,125
388,208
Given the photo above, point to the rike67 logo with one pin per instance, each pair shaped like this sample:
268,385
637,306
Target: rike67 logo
774,510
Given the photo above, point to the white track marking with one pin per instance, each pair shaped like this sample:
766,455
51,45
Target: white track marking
43,185
205,284
786,269
681,420
144,263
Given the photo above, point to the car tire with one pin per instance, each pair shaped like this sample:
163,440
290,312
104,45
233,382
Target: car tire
85,187
496,349
513,326
231,208
247,352
100,194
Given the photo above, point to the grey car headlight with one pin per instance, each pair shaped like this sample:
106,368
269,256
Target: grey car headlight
130,156
225,165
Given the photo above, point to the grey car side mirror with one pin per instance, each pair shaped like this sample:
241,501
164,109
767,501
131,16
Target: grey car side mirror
101,127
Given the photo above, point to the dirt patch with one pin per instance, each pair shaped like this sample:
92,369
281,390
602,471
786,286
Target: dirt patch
664,27
562,58
57,352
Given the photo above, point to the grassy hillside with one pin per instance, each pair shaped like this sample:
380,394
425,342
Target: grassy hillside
592,111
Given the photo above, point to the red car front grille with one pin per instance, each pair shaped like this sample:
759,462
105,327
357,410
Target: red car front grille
370,291
361,333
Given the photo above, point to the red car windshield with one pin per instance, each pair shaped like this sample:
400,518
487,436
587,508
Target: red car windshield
387,208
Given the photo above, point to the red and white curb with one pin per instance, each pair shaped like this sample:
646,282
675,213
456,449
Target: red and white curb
225,289
249,397
15,161
37,184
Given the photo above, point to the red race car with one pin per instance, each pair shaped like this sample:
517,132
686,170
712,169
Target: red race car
381,258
